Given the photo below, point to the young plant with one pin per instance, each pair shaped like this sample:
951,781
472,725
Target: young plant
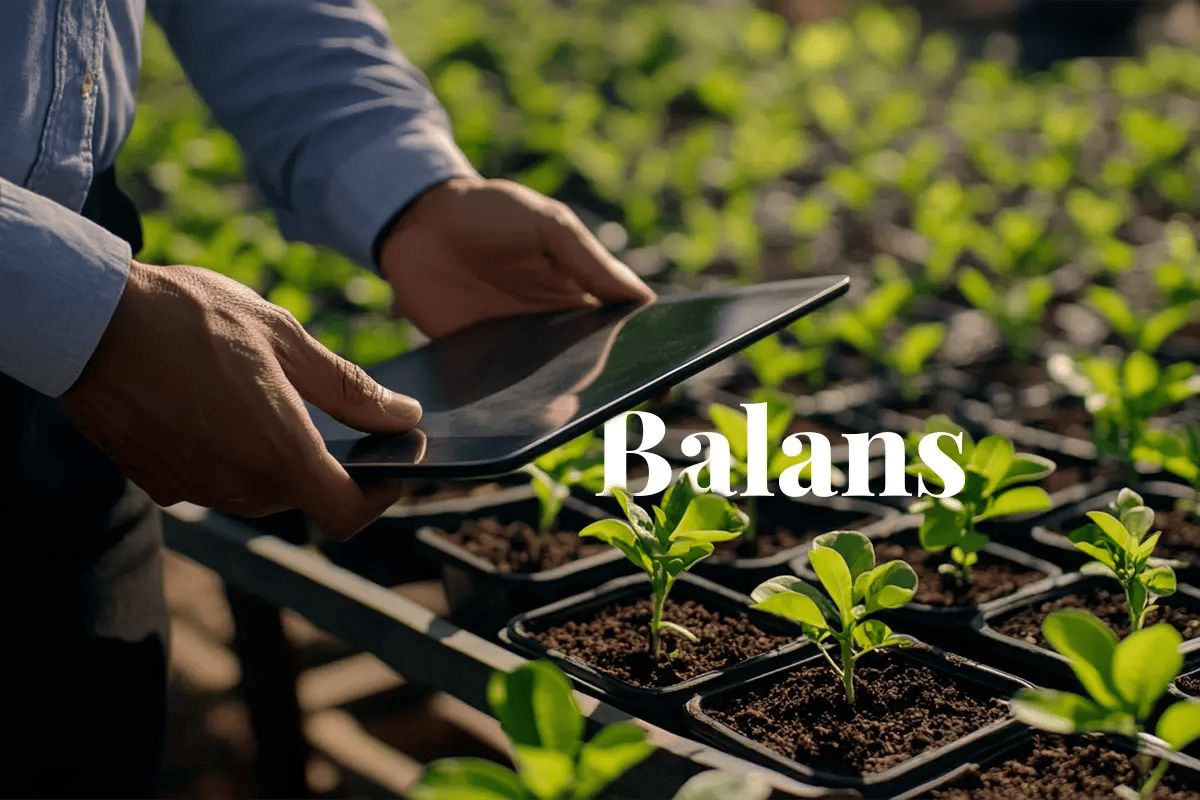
1017,311
680,534
1179,453
579,462
1140,331
992,470
1123,681
537,710
845,563
732,424
1123,397
1123,551
774,362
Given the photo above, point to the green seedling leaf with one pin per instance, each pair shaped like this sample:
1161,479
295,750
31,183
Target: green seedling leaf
548,774
610,754
620,536
1026,468
992,458
1064,712
1144,665
788,585
834,573
1021,500
889,585
1179,725
468,779
1090,646
536,707
854,548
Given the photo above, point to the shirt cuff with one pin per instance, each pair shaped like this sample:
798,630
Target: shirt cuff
384,176
62,277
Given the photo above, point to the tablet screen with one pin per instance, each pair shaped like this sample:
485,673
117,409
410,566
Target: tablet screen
501,393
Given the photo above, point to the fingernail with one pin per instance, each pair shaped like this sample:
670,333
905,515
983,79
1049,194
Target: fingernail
403,408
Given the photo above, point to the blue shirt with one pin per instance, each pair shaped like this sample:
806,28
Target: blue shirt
339,131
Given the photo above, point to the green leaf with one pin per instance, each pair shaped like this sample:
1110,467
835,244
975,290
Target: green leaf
916,346
712,512
872,634
855,548
977,289
992,457
835,577
675,503
622,537
536,707
1137,521
1065,712
612,752
795,606
1145,663
1160,580
1090,646
1021,500
467,779
1112,529
1179,725
1162,325
889,585
1112,305
717,785
639,520
1139,374
684,556
731,424
941,526
1026,468
788,584
780,412
548,773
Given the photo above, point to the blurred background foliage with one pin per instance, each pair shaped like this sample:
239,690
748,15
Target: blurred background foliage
716,141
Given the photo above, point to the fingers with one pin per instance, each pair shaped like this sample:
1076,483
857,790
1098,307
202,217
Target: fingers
337,505
587,261
342,389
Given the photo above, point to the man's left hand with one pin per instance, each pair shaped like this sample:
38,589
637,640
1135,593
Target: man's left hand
472,249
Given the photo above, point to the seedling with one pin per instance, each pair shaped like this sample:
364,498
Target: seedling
680,534
1123,681
537,710
845,563
1144,332
1017,311
1178,452
992,471
1123,397
1123,551
774,362
579,462
731,423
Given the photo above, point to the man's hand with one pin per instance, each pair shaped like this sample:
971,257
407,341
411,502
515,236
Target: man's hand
195,392
471,249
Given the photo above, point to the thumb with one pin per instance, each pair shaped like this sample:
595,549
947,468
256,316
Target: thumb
588,262
344,391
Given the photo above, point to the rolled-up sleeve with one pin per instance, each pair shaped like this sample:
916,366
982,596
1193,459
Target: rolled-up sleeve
61,277
339,129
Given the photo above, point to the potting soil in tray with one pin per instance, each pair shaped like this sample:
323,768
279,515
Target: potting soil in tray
1048,768
1180,535
616,641
901,710
773,537
1108,605
991,577
517,547
1189,684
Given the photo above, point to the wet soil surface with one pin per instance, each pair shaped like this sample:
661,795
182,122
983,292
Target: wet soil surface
901,710
1049,768
616,641
1106,604
517,547
991,577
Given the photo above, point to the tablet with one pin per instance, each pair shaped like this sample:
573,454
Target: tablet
503,392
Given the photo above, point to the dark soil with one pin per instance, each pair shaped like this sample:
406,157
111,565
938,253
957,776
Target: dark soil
517,547
1004,372
1189,684
1049,768
616,641
1066,477
802,525
1066,416
1109,606
901,710
991,577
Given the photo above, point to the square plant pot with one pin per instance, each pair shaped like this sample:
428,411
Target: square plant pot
1180,530
944,708
787,527
387,552
1006,630
736,642
1072,767
1002,575
483,594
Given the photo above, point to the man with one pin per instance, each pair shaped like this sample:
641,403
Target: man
182,380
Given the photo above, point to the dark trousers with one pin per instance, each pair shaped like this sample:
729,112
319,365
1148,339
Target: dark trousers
85,627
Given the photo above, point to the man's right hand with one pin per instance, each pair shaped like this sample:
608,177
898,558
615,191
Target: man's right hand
195,393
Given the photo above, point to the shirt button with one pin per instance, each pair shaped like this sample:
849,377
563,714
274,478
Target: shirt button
89,83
